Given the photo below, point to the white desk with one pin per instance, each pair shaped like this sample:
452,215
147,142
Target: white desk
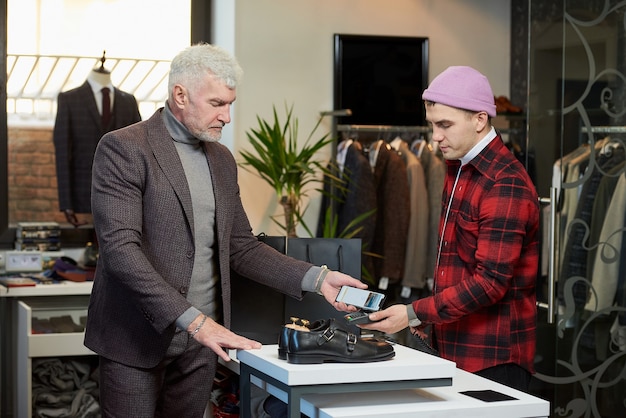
409,369
433,397
62,288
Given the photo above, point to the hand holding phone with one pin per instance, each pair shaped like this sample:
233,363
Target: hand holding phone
364,299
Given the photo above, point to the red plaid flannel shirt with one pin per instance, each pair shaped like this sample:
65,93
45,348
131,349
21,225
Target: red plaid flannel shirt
484,304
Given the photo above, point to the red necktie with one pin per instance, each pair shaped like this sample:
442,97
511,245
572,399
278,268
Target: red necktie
106,107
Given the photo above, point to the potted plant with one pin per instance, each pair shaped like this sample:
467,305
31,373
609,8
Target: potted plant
289,168
292,170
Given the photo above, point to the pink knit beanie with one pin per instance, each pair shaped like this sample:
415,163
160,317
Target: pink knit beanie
464,88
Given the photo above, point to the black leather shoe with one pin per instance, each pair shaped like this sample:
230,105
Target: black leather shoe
283,341
298,324
328,343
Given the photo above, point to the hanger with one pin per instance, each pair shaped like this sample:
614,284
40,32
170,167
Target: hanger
610,145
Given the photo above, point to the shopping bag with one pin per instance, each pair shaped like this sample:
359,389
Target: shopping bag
259,312
338,254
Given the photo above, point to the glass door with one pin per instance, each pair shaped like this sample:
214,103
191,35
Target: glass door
577,130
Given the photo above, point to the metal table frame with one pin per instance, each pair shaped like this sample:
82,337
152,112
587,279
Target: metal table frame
295,393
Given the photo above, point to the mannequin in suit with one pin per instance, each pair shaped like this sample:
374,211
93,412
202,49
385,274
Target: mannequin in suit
77,130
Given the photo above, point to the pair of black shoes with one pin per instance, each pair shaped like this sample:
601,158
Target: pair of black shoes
324,341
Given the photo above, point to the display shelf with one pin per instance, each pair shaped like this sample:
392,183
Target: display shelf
408,369
57,344
62,288
51,344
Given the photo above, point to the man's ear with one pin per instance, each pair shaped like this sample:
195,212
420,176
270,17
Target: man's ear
179,95
482,120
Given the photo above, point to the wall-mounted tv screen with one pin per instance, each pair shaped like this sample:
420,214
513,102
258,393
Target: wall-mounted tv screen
380,79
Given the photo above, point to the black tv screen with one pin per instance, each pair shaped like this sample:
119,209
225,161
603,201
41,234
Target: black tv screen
380,79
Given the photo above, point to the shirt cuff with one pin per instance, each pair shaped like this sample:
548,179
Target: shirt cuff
313,279
183,321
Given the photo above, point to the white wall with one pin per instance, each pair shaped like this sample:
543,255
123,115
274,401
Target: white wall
285,48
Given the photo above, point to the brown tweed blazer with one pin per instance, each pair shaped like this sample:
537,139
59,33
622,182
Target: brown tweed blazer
144,222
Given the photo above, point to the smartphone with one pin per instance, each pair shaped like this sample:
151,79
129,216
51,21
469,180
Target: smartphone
364,299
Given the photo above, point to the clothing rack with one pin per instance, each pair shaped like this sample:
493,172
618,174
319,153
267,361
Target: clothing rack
426,129
386,131
382,128
352,128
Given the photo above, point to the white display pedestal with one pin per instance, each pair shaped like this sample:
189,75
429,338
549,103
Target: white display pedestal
413,384
407,370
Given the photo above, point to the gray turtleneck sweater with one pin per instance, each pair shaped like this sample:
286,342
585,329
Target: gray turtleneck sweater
204,279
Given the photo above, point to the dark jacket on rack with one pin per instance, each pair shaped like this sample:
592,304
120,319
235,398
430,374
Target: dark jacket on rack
393,212
415,272
435,173
355,198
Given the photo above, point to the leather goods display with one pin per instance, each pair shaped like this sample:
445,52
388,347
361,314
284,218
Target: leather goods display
325,341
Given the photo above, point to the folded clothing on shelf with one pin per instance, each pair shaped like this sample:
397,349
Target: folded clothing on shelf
56,324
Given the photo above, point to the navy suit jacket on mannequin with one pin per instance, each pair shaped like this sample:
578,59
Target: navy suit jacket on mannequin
77,130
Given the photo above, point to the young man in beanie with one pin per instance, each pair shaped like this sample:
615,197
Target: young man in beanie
482,310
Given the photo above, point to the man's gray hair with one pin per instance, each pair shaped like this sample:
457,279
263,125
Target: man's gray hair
192,64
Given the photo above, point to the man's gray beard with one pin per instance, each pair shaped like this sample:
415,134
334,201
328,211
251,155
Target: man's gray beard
206,137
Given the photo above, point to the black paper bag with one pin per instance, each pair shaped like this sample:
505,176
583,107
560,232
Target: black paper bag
259,312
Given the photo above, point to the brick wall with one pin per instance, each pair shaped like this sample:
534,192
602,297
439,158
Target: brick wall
32,176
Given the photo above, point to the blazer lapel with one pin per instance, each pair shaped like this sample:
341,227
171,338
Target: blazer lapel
218,188
221,189
166,155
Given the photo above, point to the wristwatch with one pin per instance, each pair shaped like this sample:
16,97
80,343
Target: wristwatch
414,323
413,320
